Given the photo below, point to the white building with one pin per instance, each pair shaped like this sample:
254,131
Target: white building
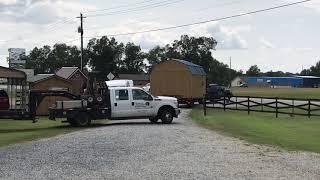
17,58
238,81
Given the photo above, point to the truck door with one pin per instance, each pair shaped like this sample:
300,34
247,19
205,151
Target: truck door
142,103
121,105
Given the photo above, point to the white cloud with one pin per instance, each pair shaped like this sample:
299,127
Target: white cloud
41,11
8,2
315,4
266,44
227,37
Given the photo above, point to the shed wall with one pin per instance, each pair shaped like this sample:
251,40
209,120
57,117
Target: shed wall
49,84
174,79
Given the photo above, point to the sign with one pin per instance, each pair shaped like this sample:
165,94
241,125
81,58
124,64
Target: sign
110,76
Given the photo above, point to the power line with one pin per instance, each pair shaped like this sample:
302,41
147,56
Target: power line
196,11
118,7
141,8
207,21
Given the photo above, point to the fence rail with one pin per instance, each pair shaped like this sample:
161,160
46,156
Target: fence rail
290,106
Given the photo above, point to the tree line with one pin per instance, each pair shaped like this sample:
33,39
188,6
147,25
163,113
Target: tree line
105,55
254,70
312,71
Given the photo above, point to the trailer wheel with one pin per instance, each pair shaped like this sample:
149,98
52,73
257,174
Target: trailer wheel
153,120
82,119
166,116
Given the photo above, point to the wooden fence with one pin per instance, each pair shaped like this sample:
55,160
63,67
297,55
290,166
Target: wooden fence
290,106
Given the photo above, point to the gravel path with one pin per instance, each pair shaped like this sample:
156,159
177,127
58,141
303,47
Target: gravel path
139,150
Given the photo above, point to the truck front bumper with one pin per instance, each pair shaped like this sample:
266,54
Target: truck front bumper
177,112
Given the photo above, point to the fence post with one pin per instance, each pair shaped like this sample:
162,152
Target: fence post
261,105
224,103
292,107
204,105
236,103
248,105
309,108
276,107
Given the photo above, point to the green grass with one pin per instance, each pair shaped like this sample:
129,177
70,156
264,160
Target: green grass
12,132
291,133
310,93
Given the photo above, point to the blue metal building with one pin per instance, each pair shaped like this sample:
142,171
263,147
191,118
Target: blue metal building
295,81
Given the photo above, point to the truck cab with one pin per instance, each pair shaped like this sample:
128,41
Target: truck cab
133,102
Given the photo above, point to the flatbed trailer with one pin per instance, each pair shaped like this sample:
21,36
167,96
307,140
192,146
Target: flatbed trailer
35,98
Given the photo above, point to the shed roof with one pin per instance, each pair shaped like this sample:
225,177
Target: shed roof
193,68
66,72
40,77
308,77
11,73
134,77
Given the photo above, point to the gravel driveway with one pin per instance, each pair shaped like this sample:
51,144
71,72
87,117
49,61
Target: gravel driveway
139,150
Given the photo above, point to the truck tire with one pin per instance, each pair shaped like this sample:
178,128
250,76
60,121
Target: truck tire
166,116
82,119
154,120
72,122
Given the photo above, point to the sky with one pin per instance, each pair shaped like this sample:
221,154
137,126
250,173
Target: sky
285,39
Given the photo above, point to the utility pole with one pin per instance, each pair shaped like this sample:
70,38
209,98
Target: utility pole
230,71
80,30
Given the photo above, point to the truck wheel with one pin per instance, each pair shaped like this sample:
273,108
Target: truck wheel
82,119
72,122
153,120
166,116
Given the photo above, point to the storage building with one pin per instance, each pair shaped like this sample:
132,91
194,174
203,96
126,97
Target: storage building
294,81
50,82
178,78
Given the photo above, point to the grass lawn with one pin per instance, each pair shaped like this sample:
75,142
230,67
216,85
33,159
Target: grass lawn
291,133
311,93
12,132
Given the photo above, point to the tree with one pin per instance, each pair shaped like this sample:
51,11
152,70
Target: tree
313,71
47,60
132,63
38,60
253,71
155,56
104,56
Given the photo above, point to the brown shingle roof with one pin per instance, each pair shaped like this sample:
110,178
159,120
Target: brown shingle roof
66,72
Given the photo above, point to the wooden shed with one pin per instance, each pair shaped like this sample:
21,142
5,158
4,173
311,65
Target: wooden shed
50,82
178,78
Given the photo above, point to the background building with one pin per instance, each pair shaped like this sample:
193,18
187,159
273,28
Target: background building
17,58
295,81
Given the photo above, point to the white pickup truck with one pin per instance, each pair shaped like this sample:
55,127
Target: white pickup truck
117,103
